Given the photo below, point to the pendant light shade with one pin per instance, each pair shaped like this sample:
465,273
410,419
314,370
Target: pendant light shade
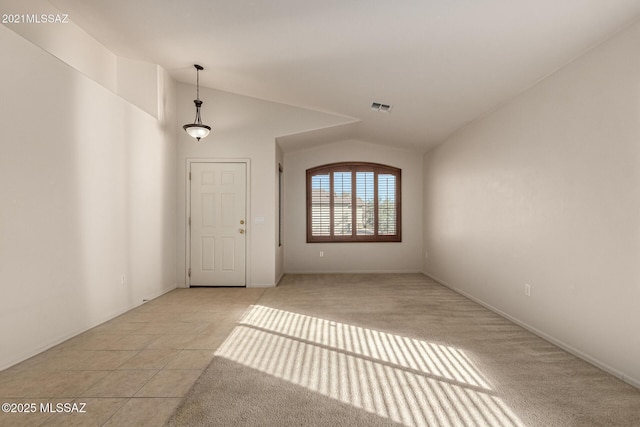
196,129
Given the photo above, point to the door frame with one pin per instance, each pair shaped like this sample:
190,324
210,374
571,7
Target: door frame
247,249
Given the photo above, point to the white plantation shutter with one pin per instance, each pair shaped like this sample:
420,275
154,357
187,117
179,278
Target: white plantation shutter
321,205
342,204
386,205
353,202
365,212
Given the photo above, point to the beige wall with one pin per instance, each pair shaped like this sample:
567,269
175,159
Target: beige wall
243,128
87,195
302,257
546,192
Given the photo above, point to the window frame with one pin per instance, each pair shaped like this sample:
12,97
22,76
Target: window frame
354,167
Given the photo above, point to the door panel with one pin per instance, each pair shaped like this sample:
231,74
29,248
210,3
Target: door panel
218,210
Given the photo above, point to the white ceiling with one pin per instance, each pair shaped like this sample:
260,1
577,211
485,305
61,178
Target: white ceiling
439,63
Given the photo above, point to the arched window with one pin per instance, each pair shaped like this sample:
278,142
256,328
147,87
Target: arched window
353,202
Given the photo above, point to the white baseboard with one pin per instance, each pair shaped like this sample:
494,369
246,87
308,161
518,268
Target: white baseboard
566,347
355,272
153,296
99,321
261,285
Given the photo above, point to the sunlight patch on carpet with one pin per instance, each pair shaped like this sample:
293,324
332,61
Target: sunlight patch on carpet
406,380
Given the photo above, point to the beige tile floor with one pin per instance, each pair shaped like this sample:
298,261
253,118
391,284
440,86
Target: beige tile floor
132,370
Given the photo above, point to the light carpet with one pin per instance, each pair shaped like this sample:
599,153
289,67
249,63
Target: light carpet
396,349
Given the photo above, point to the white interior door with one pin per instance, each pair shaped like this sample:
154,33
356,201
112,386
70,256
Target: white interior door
218,224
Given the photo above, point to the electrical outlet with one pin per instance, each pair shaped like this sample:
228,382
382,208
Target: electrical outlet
321,254
527,289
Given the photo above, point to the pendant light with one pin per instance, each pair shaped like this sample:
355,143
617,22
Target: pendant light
197,129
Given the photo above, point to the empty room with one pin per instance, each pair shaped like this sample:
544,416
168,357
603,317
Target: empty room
305,213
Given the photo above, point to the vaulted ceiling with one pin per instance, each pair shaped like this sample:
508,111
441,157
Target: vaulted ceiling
439,63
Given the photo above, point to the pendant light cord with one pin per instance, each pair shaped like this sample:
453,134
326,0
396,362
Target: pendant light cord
197,83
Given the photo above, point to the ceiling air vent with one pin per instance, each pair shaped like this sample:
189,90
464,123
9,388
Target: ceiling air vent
376,106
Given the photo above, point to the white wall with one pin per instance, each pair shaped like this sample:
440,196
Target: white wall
87,194
243,128
303,257
66,41
137,82
546,191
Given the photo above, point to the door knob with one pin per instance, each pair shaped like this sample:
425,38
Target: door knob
241,221
241,231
